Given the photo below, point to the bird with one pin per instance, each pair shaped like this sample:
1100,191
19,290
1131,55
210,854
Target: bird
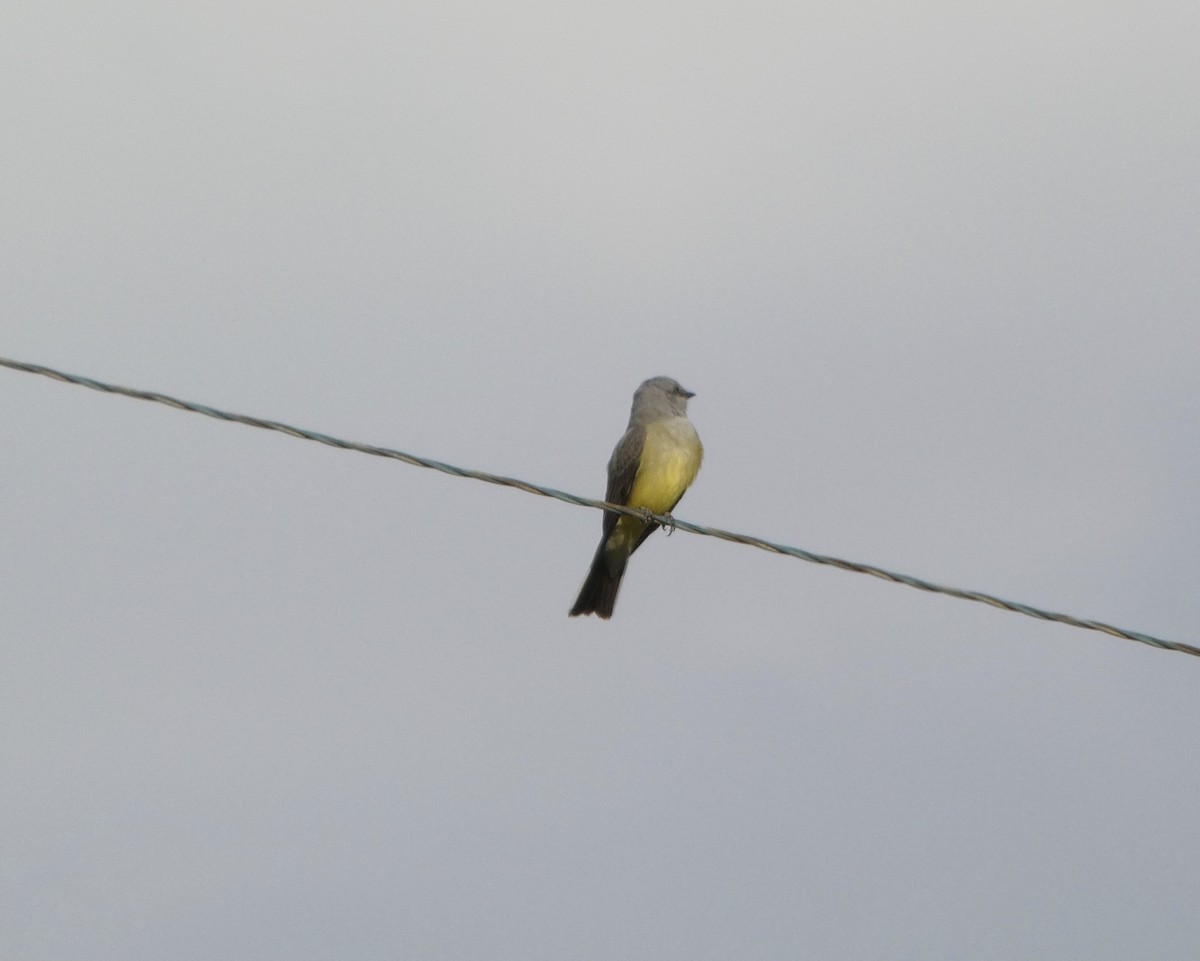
652,465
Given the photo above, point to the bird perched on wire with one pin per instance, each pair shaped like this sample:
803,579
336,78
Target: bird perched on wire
651,467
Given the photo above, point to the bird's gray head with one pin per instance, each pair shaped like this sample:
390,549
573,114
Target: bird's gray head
657,399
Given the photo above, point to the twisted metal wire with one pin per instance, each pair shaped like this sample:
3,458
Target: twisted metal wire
669,522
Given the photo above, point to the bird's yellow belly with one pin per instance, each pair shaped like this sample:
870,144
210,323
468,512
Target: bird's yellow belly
670,459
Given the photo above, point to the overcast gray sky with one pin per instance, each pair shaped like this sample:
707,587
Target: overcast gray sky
932,272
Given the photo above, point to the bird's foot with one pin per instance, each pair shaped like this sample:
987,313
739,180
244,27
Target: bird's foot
648,517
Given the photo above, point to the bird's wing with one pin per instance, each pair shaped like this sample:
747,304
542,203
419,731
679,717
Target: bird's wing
622,469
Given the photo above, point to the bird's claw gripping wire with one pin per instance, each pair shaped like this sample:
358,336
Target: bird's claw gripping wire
648,516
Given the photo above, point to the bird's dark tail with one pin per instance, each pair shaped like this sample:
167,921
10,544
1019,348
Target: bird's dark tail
599,592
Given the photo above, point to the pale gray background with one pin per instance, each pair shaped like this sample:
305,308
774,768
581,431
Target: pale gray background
931,269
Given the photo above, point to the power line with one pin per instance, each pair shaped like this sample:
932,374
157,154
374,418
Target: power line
666,520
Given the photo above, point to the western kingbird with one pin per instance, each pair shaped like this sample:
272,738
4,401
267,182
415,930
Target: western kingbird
650,468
